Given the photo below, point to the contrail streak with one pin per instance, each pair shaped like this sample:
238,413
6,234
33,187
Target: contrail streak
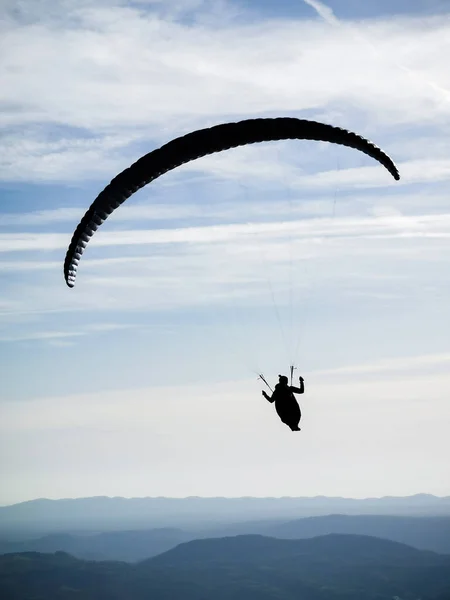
327,14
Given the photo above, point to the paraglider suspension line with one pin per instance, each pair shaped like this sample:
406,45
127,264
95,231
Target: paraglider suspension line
261,376
292,368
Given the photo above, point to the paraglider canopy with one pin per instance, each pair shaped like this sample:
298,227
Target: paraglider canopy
195,145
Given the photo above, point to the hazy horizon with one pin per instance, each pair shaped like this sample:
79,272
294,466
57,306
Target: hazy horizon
272,497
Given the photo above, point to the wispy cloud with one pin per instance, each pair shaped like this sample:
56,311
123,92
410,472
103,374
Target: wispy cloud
384,226
61,335
41,217
179,268
223,71
418,366
151,422
243,205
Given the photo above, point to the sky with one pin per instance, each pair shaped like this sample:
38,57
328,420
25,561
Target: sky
142,380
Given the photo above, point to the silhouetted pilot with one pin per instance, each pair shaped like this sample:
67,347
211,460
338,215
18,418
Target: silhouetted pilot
286,404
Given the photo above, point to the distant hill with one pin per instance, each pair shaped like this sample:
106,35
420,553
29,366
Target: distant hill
103,513
129,546
426,533
333,567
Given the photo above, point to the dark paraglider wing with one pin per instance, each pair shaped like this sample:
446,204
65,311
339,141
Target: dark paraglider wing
196,145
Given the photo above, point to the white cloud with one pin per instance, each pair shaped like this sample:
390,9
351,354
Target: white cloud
367,259
396,366
323,11
389,225
61,335
118,73
327,14
242,204
407,419
41,217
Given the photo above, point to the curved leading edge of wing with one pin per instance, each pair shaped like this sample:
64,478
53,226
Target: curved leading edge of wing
195,145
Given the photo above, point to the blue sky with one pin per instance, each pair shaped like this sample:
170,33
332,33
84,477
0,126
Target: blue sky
141,380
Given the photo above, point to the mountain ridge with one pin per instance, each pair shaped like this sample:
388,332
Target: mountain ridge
325,568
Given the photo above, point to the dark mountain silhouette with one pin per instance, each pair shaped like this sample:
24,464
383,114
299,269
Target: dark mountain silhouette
333,567
340,549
